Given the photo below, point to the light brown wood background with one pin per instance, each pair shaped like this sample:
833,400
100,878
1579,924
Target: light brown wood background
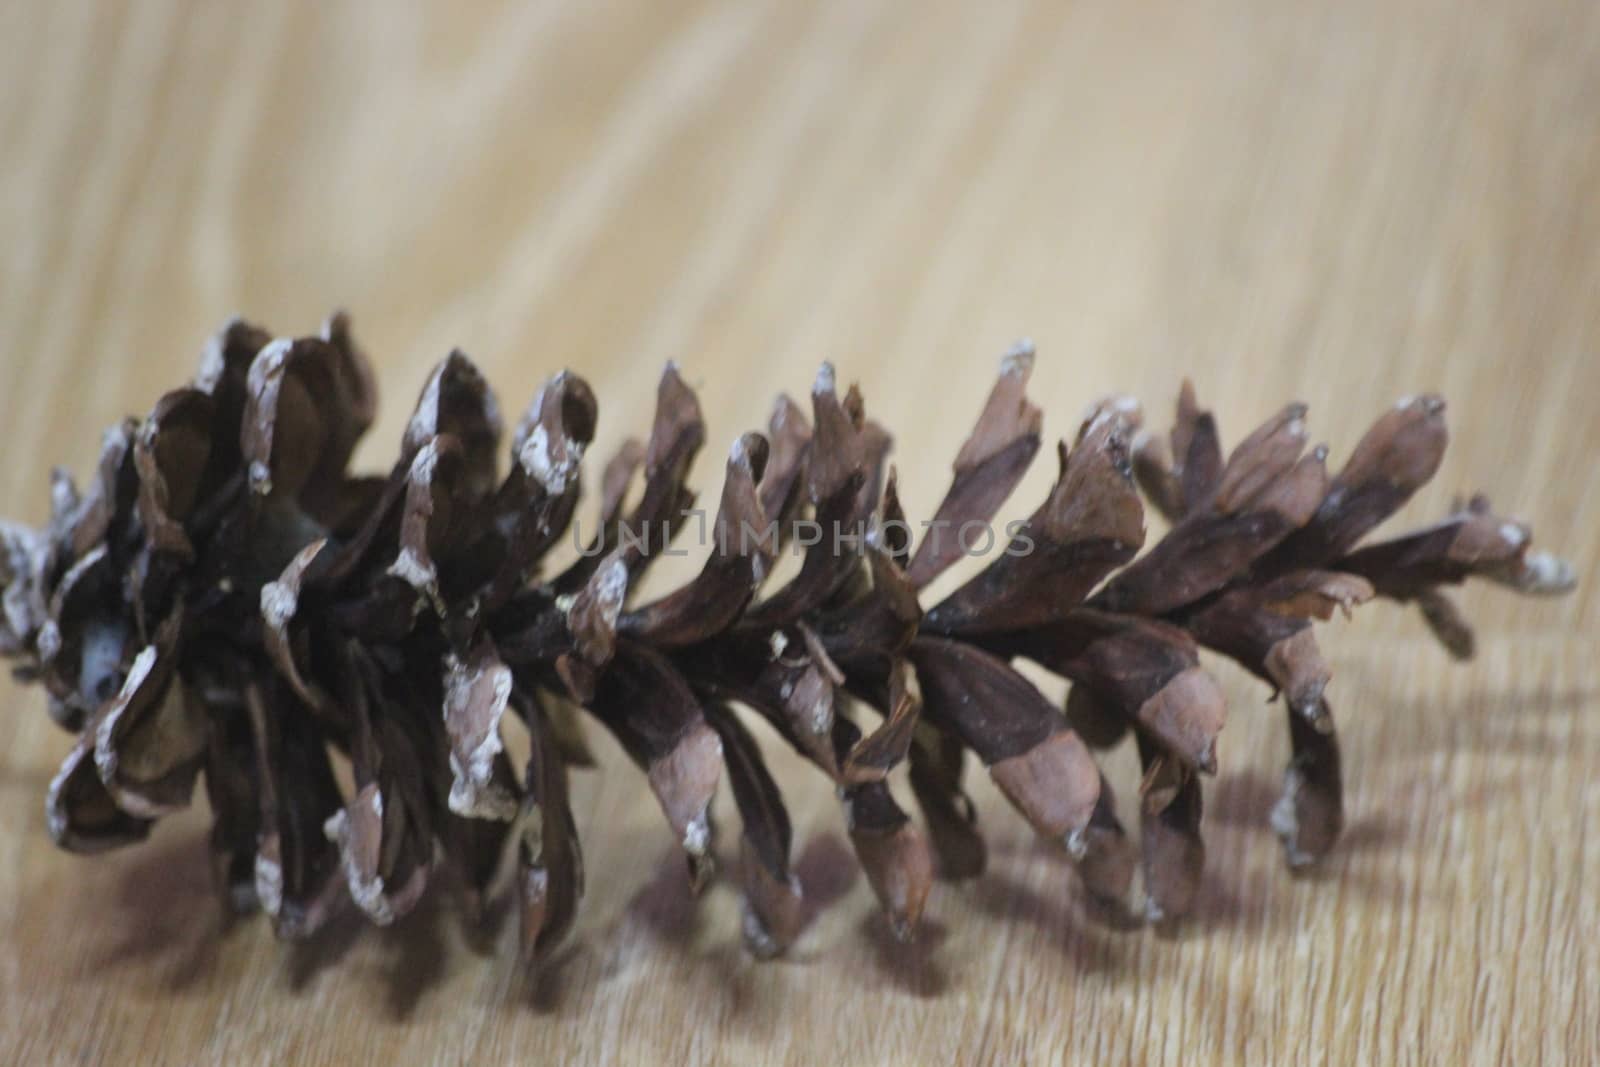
1340,203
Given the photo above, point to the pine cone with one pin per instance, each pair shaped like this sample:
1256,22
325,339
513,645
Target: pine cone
226,599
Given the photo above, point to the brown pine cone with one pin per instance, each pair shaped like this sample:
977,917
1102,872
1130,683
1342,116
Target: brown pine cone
226,598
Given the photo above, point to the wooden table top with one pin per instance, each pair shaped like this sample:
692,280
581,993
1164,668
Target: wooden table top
1341,204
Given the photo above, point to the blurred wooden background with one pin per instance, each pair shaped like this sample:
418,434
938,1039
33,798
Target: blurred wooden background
1338,203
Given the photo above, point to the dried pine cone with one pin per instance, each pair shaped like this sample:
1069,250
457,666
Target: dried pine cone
226,599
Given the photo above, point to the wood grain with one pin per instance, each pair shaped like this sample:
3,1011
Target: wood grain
1341,203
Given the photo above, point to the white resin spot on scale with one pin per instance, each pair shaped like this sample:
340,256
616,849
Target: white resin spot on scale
278,604
543,466
269,884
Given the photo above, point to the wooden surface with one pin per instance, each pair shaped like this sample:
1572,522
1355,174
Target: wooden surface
1340,203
